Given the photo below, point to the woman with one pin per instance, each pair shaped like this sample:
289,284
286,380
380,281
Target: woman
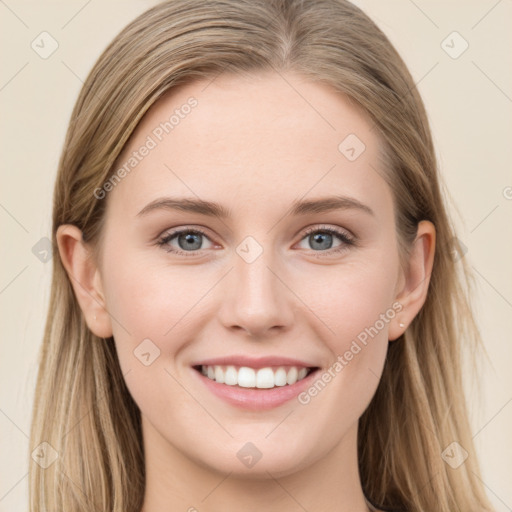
255,303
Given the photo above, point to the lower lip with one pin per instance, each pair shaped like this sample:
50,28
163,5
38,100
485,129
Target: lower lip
256,399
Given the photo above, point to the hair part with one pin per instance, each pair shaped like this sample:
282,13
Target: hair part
82,406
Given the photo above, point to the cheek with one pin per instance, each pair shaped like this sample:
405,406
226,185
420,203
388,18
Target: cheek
353,301
148,298
356,306
153,315
357,310
156,309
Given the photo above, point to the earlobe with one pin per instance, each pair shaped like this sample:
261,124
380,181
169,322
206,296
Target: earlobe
416,279
85,278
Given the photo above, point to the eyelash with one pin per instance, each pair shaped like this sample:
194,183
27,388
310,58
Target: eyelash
347,241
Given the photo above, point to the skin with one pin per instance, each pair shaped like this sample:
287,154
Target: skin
254,145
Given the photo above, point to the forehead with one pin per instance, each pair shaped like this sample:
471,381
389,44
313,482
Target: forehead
270,136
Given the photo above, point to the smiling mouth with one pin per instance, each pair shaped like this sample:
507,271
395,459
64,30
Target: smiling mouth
252,378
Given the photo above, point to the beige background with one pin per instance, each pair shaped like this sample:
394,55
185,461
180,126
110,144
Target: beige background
469,101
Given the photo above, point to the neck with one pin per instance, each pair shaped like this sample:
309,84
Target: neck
175,481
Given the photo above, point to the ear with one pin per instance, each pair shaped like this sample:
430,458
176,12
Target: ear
415,279
76,256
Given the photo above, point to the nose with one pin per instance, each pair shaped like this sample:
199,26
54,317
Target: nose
256,298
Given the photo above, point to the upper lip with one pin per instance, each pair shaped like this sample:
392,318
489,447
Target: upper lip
254,362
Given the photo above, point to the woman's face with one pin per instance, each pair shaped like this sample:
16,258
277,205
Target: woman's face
296,266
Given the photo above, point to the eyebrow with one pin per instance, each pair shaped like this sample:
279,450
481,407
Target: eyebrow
209,208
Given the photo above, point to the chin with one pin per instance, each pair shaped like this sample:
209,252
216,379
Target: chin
250,461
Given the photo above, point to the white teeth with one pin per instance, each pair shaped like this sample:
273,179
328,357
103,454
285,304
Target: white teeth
230,376
263,378
246,377
280,377
219,375
293,373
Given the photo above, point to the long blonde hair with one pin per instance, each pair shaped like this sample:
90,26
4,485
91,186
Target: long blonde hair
83,409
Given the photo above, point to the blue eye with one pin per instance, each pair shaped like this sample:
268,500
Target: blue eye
190,240
323,236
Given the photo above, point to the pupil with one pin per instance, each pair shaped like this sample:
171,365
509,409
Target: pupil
322,237
190,239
